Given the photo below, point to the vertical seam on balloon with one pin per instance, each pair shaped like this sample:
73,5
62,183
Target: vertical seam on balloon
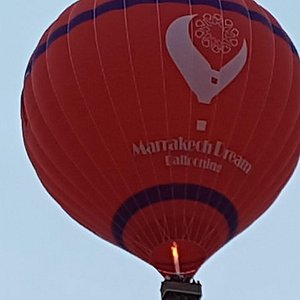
193,218
209,223
108,89
122,133
259,157
109,94
188,224
262,109
165,226
163,234
70,127
112,104
134,80
201,224
189,123
66,118
241,102
94,124
92,121
45,153
243,94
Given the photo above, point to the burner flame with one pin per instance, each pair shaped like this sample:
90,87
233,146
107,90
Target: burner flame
174,249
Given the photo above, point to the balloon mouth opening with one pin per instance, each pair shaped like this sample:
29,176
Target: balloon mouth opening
184,261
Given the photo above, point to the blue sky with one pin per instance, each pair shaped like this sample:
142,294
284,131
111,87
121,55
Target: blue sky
46,255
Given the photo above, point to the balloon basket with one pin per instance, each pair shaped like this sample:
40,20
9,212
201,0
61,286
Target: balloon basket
176,288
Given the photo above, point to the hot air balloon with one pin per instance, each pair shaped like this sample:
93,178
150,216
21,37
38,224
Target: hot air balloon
164,127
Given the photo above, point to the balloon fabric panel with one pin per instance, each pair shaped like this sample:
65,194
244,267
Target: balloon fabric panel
159,122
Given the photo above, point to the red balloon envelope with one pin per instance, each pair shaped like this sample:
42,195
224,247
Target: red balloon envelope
159,122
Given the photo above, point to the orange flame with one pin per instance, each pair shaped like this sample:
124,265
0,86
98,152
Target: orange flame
175,254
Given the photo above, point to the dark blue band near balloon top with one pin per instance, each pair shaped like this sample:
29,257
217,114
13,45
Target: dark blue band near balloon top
175,191
119,4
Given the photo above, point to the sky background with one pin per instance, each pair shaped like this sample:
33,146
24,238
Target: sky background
45,255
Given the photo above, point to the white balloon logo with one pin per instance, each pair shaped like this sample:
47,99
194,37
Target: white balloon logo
203,80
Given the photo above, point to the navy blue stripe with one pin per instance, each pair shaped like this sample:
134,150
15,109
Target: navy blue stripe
117,4
175,191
